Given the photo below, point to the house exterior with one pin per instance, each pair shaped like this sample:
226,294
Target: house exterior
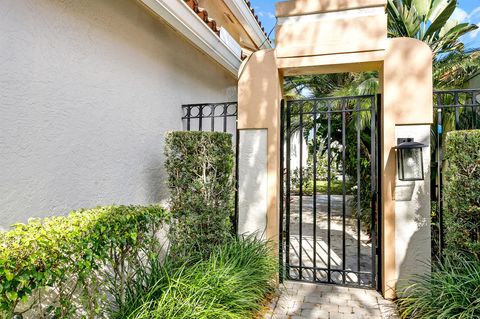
474,82
89,88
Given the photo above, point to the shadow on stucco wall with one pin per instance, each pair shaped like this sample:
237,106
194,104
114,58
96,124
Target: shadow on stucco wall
415,260
89,89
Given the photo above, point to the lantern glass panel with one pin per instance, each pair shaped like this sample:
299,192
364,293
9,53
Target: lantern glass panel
411,164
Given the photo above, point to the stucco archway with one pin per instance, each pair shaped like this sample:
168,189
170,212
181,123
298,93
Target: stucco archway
315,37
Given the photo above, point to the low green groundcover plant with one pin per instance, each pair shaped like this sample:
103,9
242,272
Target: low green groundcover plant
230,283
336,188
56,267
200,180
452,291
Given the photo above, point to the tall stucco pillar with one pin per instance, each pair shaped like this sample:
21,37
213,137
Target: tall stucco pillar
259,97
406,79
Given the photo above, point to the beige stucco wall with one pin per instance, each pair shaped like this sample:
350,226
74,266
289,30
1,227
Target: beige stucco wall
407,99
331,36
88,90
413,214
299,7
259,97
253,182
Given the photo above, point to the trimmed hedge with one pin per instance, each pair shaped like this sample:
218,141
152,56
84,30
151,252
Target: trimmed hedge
53,267
462,192
200,179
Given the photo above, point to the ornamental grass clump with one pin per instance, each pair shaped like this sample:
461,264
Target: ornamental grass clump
231,283
451,291
200,180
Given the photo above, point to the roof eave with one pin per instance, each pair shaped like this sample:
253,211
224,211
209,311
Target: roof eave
178,15
248,20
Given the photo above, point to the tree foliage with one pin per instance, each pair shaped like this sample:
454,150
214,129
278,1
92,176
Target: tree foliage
429,21
462,192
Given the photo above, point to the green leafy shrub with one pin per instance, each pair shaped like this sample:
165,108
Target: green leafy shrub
322,183
200,179
53,267
307,178
451,291
462,192
231,283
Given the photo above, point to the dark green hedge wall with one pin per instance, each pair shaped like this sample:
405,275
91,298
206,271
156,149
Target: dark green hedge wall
462,192
200,178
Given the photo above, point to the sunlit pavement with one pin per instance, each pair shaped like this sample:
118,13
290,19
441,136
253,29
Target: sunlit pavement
312,301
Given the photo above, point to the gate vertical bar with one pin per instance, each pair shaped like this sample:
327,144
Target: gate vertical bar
189,111
212,119
282,201
439,175
457,115
315,191
287,199
373,187
344,204
359,205
377,235
225,112
329,188
300,201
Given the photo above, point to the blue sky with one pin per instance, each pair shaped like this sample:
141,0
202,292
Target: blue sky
468,11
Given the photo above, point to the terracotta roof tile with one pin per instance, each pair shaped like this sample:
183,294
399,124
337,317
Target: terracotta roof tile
203,14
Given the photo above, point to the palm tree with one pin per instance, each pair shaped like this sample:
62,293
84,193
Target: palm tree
429,21
454,70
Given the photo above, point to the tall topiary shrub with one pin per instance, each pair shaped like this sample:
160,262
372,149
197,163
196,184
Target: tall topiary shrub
462,192
200,179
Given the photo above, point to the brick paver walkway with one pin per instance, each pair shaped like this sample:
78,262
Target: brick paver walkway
311,301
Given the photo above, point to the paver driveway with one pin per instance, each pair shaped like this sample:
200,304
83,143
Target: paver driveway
312,301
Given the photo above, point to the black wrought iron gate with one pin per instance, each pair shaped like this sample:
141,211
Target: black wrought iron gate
329,188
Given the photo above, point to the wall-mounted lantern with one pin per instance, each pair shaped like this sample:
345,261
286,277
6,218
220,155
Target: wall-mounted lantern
410,160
